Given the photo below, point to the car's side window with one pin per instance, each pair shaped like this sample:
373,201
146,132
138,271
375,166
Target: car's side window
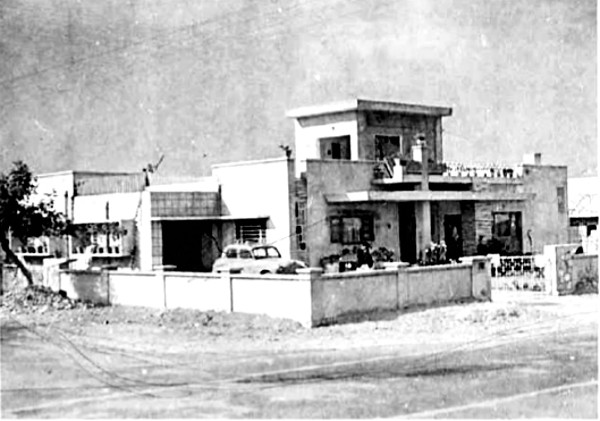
231,254
259,253
273,252
245,254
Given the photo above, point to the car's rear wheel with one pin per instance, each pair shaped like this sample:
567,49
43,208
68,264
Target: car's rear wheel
265,272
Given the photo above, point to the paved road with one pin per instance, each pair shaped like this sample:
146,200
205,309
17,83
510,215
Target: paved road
545,370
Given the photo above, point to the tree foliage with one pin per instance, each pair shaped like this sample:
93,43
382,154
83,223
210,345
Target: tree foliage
22,216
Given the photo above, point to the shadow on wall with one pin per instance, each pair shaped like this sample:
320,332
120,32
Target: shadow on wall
586,280
86,285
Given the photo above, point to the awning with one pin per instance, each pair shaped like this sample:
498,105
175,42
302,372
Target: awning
421,196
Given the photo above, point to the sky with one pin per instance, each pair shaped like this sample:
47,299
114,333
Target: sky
111,85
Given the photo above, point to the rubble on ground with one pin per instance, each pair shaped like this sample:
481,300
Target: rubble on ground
39,298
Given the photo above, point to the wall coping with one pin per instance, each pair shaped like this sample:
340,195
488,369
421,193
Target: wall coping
358,274
585,256
257,277
131,273
81,271
438,267
365,162
170,273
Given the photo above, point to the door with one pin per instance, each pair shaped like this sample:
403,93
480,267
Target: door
408,233
453,236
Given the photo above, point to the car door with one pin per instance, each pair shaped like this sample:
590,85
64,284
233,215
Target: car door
246,261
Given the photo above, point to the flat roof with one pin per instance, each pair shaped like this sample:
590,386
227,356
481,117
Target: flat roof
249,162
83,172
214,218
359,104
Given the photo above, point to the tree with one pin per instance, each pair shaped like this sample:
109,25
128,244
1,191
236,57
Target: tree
23,218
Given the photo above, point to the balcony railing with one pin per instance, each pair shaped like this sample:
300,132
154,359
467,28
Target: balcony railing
490,170
396,169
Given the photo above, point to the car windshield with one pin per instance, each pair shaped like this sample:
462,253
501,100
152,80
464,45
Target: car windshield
265,252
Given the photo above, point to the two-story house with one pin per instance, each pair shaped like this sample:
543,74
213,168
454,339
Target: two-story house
372,171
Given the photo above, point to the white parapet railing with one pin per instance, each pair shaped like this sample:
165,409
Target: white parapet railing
486,170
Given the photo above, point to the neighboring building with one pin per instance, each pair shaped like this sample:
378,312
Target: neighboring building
135,222
364,171
102,205
584,208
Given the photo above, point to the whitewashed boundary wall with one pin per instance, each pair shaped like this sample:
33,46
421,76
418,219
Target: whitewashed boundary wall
310,297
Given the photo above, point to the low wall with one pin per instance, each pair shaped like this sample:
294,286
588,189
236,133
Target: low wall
13,278
85,285
311,298
285,296
569,273
436,284
134,288
205,292
337,297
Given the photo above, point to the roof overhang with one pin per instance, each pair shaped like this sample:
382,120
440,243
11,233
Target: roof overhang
421,196
369,105
208,218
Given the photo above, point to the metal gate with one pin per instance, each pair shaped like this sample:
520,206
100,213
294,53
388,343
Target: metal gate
521,273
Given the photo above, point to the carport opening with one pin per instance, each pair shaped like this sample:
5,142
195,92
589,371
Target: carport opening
189,246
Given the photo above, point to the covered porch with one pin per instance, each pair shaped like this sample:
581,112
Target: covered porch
468,222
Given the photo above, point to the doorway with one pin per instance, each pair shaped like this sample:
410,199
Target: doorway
453,236
188,245
408,233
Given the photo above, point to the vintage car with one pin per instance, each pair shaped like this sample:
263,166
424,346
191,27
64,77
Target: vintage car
260,259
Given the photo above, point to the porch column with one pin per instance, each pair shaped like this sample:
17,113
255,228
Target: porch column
420,153
423,226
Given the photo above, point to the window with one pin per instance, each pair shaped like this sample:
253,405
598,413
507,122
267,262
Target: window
254,231
506,232
184,204
34,245
231,253
335,147
560,199
387,146
264,252
352,229
106,238
245,254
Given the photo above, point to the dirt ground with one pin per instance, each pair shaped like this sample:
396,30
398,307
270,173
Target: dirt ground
85,347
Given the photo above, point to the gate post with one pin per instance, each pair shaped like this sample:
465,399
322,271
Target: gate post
481,280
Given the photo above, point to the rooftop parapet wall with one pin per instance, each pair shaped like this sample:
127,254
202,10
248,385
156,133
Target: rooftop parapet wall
260,189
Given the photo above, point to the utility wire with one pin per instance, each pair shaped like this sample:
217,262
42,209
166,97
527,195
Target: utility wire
146,64
165,38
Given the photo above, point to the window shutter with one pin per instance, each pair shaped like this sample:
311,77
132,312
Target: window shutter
367,233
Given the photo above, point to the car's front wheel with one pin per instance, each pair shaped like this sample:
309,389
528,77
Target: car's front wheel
265,272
